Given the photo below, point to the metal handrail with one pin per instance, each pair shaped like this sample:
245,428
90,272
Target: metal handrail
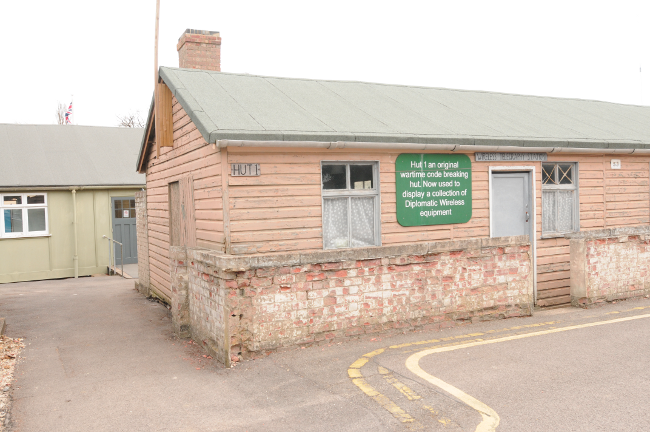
111,256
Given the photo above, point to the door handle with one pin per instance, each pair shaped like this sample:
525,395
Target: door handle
527,216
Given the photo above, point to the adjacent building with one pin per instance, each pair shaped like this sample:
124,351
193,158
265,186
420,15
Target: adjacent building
61,189
284,211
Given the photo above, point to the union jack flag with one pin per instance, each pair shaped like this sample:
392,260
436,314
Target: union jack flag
68,115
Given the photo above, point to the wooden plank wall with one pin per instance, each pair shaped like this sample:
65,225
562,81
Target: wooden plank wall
608,199
281,209
190,155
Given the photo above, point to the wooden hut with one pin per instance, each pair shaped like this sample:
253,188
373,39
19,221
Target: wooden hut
245,170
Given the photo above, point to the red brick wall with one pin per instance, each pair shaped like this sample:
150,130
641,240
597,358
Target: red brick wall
276,301
610,264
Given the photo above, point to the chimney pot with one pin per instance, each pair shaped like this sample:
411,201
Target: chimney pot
199,49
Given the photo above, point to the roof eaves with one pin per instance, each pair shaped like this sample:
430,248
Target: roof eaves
479,141
627,145
587,144
248,135
194,110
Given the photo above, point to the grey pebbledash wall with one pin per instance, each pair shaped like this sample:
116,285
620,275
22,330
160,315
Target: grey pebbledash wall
242,307
609,264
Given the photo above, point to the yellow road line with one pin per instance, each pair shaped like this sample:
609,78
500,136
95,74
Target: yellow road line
431,341
354,372
359,363
412,395
449,338
390,378
374,353
490,417
386,403
446,421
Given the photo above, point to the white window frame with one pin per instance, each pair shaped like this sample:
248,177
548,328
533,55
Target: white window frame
24,207
576,199
351,193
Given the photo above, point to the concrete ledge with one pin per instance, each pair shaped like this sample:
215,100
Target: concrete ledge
610,232
237,263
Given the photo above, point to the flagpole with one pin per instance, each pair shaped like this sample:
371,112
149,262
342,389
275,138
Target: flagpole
155,88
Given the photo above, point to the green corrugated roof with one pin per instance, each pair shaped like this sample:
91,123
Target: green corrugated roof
250,107
56,155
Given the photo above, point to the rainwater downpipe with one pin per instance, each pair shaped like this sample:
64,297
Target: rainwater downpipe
74,213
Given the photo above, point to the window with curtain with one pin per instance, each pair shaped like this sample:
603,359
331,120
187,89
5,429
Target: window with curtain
351,213
23,215
560,207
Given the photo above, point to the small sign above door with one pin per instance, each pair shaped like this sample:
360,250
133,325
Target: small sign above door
510,157
245,170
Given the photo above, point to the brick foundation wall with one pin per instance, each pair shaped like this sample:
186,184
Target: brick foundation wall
198,303
610,264
246,306
143,241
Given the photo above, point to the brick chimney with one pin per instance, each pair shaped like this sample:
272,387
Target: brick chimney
199,49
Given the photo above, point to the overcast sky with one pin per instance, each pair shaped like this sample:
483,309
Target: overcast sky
102,52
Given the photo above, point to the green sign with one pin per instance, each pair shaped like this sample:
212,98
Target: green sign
433,189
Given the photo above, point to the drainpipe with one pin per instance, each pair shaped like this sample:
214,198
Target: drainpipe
74,211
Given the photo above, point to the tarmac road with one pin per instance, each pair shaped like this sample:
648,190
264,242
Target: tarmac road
100,357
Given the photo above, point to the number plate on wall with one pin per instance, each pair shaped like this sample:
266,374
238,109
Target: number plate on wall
433,189
245,170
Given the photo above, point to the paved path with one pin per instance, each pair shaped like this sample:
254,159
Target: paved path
100,357
584,371
131,270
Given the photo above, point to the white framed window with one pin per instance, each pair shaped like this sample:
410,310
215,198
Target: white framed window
351,204
23,215
560,203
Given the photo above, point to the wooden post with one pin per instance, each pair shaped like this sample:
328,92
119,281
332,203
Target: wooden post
155,84
188,228
604,192
225,172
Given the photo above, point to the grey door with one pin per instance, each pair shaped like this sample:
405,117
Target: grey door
511,205
124,230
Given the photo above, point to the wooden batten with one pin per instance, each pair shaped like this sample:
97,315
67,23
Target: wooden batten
175,219
225,181
164,122
188,227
